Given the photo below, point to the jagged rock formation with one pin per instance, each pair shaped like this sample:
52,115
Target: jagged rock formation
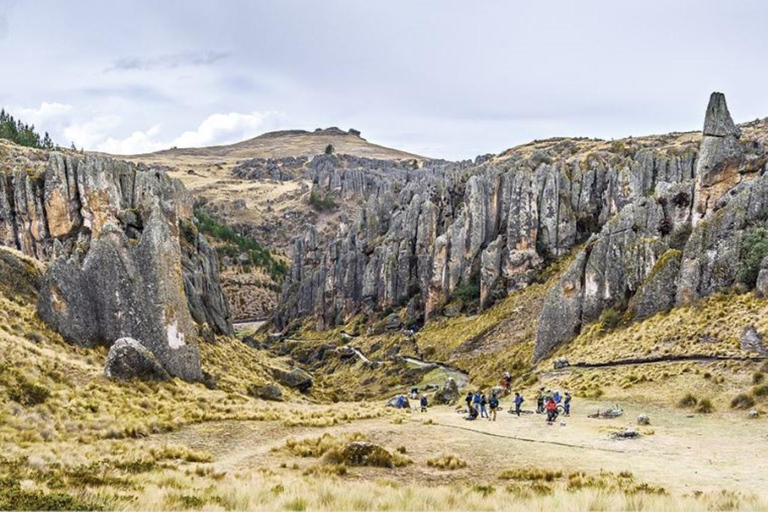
125,257
662,250
280,169
661,220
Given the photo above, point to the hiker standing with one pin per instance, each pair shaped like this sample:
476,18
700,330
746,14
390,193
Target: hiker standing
493,403
423,403
567,404
540,401
476,401
507,382
483,409
518,403
468,399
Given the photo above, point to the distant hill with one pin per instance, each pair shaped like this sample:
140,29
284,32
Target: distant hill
280,144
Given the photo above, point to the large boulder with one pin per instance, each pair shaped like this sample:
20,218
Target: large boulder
449,394
296,378
752,341
128,359
271,392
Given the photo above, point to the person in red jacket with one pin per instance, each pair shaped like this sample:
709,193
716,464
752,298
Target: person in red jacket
551,410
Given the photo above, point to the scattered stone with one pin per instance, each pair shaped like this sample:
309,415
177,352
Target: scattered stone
615,412
629,433
560,362
271,392
761,287
449,394
751,340
643,419
753,414
296,379
128,359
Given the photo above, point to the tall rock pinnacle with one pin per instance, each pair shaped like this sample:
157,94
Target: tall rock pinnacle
720,156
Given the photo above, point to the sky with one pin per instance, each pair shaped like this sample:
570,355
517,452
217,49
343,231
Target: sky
440,78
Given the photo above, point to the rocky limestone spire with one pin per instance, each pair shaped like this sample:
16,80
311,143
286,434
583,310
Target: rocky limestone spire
718,121
720,157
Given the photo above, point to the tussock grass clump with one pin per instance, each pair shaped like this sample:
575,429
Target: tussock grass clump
760,391
447,462
175,452
742,401
688,401
758,377
13,497
705,406
531,474
319,446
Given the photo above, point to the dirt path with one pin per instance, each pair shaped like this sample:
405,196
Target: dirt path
665,359
678,452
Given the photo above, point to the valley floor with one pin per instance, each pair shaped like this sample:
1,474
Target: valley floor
680,461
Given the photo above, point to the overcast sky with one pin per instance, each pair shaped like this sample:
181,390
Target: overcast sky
441,78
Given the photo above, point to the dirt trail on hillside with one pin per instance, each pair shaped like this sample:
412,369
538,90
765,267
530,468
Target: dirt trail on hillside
677,452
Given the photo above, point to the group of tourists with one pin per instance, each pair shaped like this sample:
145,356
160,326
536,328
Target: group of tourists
549,402
483,405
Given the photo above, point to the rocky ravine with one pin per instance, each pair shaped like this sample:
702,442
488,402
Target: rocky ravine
659,221
124,257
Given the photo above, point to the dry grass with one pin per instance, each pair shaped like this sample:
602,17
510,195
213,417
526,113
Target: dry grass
711,327
449,462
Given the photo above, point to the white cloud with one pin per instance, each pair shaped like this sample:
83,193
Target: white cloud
228,128
90,134
136,143
94,130
46,112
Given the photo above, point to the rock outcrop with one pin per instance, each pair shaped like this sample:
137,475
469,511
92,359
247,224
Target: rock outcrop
658,222
124,257
658,252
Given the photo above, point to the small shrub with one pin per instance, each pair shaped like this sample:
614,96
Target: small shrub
28,393
742,401
531,474
760,391
705,406
758,377
447,462
329,149
322,202
609,319
485,490
687,401
753,249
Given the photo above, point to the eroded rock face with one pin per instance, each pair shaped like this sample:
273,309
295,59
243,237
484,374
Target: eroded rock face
118,264
423,233
664,250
